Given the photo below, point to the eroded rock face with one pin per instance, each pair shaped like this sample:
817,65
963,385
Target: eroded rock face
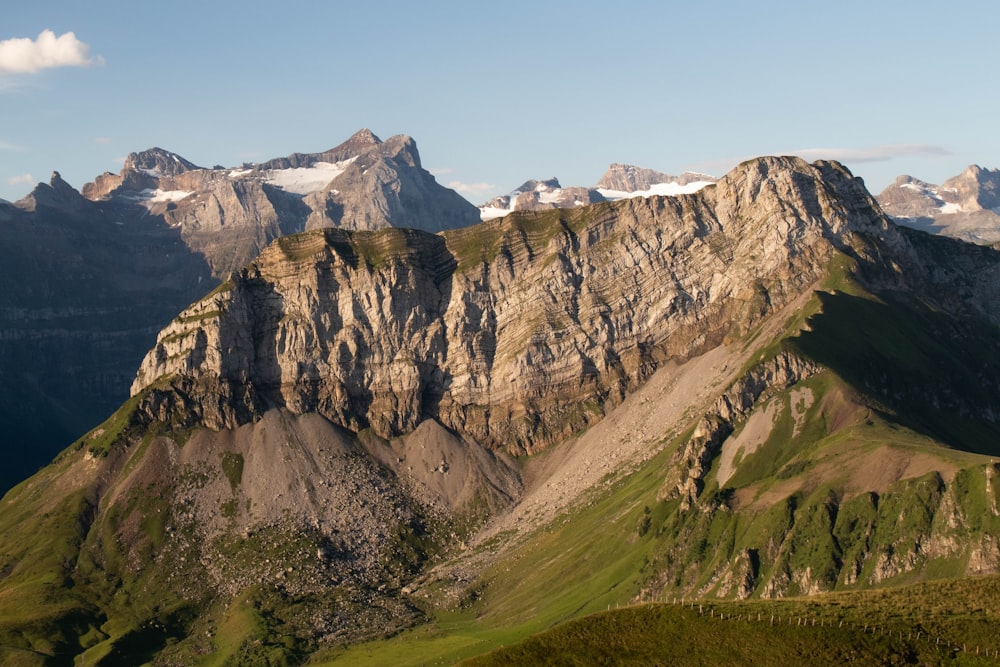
517,332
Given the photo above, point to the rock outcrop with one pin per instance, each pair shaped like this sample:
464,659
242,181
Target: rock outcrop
306,441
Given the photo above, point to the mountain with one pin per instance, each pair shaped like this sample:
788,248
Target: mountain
966,207
621,181
91,277
230,215
441,443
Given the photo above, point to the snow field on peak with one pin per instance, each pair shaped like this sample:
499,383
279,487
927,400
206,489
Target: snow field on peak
306,180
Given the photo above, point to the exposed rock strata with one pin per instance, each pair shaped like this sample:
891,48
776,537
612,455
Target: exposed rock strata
517,332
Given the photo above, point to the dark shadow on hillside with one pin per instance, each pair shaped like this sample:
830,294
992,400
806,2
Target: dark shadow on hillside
85,293
931,372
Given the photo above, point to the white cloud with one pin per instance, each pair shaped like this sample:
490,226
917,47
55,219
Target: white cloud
474,189
23,55
23,179
102,140
4,146
441,171
873,153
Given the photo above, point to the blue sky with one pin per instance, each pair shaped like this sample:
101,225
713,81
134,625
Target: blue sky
497,93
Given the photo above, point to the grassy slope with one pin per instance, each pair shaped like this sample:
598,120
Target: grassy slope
946,623
611,547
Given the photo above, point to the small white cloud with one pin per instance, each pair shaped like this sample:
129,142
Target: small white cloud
873,153
4,146
474,189
102,140
441,171
26,56
23,179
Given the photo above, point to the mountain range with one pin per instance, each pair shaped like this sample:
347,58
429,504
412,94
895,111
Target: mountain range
90,276
965,207
620,181
397,445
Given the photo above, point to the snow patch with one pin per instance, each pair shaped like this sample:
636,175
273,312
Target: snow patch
150,196
239,173
657,190
949,207
490,212
549,196
306,180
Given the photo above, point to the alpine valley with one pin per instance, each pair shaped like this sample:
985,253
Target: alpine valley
609,430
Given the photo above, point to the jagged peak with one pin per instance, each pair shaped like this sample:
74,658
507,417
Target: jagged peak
57,183
359,142
57,193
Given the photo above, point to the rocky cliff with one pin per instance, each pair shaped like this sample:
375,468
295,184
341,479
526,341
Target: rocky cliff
518,332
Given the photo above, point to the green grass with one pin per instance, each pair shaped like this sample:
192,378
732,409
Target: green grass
931,372
522,233
232,467
824,633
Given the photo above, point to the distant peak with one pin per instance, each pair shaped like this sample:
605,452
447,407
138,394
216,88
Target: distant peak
538,186
158,162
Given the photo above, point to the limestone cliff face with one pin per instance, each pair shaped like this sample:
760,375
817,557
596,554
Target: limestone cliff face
517,332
